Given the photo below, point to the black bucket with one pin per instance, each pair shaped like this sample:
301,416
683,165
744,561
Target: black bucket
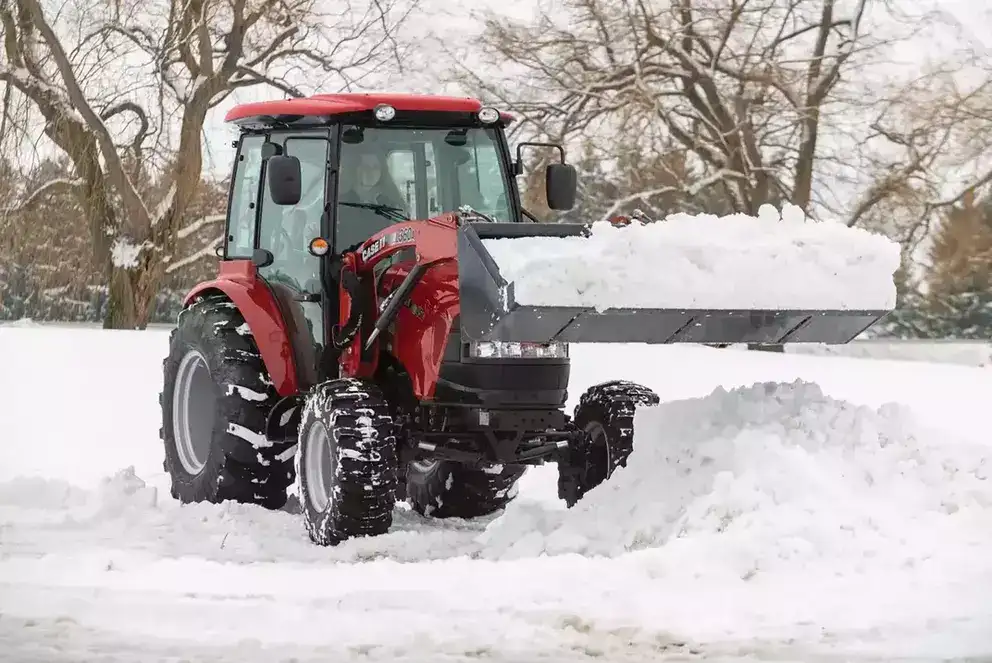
489,311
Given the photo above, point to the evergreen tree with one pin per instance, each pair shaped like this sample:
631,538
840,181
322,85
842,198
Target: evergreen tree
959,284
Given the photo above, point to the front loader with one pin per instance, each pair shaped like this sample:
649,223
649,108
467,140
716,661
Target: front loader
361,341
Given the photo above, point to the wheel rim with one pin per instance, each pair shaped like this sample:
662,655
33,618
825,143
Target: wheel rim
193,411
318,466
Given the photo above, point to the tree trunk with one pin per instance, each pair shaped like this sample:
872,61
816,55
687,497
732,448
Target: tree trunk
130,296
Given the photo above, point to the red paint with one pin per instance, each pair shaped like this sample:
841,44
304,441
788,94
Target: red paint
417,343
335,104
238,279
434,239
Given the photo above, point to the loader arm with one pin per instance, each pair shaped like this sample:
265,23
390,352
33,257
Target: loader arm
394,262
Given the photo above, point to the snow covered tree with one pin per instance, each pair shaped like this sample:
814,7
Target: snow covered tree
124,88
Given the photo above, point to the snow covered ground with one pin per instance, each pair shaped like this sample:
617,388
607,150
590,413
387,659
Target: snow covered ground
964,352
800,518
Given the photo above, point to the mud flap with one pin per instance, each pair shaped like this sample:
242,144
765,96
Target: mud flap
489,311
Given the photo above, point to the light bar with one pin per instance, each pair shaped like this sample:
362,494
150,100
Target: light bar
500,350
384,112
488,115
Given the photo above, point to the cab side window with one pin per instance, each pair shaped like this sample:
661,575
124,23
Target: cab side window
286,230
243,210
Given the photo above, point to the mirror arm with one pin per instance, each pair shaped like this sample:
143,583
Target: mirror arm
519,166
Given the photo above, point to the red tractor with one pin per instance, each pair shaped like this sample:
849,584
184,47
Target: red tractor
360,340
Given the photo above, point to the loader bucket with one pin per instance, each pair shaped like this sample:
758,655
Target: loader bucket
489,311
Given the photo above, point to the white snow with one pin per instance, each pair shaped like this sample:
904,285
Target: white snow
250,436
967,353
245,392
124,253
770,478
760,518
704,261
163,208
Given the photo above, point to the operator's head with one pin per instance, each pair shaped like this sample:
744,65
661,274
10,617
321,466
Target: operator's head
368,169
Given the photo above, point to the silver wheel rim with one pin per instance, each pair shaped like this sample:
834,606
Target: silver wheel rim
193,411
318,466
597,435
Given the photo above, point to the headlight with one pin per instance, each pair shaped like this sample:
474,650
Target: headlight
500,350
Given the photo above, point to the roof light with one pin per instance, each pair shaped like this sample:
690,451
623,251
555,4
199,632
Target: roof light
488,115
384,112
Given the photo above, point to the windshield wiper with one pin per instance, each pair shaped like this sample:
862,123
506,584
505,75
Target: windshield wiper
387,211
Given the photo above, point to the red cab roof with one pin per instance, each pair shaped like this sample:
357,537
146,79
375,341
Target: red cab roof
336,104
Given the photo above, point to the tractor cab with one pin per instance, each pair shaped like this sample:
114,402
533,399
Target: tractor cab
319,176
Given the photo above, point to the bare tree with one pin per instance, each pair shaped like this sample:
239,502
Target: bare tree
756,101
125,87
929,147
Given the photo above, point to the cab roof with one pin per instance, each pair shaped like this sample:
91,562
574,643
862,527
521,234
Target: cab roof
329,105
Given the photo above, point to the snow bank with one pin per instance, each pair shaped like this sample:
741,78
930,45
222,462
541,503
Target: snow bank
773,477
87,398
941,351
19,323
705,261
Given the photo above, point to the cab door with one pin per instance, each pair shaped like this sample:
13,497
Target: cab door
294,275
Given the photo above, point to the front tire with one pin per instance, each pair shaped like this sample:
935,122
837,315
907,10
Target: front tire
346,462
446,489
216,396
605,415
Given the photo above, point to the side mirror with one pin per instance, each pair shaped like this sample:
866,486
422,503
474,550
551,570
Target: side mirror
561,182
285,179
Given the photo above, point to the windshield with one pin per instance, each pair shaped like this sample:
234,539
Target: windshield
389,174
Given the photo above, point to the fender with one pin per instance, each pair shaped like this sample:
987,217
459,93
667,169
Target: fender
239,281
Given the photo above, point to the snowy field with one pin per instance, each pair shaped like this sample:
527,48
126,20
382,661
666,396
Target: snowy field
965,353
804,521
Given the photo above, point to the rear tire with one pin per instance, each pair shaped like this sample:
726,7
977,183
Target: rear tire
346,462
606,414
445,489
216,396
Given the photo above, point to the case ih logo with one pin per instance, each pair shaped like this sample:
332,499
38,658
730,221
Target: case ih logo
401,236
373,248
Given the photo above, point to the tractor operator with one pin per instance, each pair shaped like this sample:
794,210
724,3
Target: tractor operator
365,180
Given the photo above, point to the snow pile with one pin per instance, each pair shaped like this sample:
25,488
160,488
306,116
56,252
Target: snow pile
115,495
767,478
20,323
705,261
